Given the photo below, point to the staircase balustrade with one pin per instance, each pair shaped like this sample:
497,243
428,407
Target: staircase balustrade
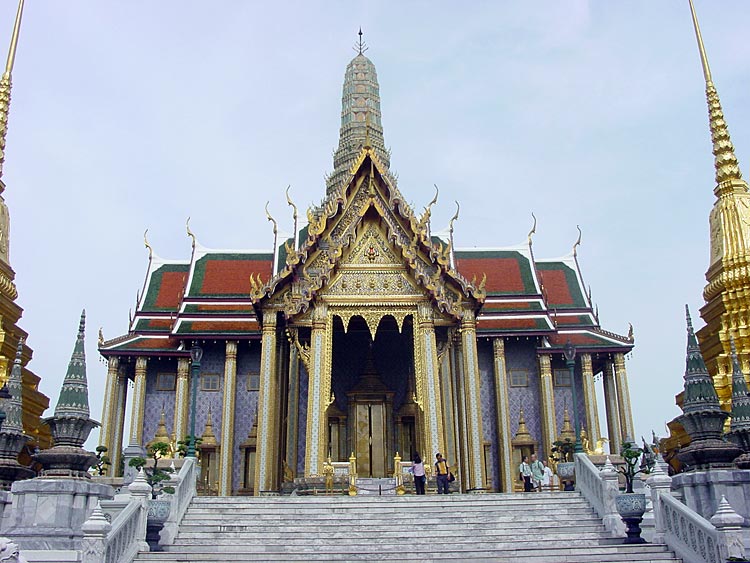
184,484
600,488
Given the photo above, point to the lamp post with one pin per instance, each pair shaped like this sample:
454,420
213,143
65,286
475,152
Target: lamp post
4,396
196,353
570,361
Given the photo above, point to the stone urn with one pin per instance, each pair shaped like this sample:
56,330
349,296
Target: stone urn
158,510
566,471
631,507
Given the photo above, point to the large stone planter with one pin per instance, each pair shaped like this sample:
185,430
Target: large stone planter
566,471
631,507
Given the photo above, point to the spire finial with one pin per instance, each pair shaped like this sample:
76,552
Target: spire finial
14,39
701,48
361,46
5,84
725,161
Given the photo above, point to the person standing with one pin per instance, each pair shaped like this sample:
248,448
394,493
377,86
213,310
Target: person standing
547,479
441,474
537,473
417,469
525,472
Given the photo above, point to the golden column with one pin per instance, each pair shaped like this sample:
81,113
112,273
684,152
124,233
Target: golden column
318,390
181,399
589,397
108,411
503,416
474,403
613,413
264,466
623,398
139,402
227,419
115,453
428,381
549,422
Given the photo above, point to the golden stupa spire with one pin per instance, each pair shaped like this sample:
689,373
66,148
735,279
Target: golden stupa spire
728,173
5,85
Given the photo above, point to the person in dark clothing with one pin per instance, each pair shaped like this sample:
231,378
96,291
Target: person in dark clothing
441,474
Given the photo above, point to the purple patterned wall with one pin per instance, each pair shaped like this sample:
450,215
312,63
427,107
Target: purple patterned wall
489,404
302,419
521,354
156,400
564,395
246,402
214,355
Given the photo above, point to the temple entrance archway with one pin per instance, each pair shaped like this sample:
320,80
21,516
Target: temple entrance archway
372,382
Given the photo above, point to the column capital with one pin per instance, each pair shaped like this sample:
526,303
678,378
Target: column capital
468,318
113,363
545,364
586,364
619,358
183,368
269,319
498,345
141,362
425,314
231,349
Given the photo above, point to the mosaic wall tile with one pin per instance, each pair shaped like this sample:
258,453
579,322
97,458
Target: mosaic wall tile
246,403
212,363
302,419
156,400
521,354
489,405
564,396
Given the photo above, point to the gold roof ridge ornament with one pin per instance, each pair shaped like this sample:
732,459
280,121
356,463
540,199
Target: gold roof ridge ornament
532,232
578,241
294,214
190,233
450,237
147,245
5,86
275,238
727,167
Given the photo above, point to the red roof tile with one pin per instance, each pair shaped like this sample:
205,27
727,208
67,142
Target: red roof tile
232,277
170,291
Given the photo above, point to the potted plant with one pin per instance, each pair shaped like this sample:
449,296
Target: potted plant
158,509
562,454
630,505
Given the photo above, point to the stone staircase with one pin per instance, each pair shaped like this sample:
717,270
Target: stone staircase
528,527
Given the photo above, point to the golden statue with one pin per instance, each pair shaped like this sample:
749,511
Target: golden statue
585,442
328,471
599,450
288,473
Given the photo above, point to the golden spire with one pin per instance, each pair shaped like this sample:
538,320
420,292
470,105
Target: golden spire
208,437
5,85
725,161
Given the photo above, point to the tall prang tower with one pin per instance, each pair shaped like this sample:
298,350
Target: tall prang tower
727,292
360,119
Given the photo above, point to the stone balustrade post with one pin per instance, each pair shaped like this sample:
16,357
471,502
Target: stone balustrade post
141,490
94,542
660,484
611,485
727,523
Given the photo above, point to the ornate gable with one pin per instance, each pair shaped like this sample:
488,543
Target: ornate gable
365,244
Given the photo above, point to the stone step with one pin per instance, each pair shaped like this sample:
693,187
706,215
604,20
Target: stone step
356,543
519,499
534,554
363,530
433,516
406,509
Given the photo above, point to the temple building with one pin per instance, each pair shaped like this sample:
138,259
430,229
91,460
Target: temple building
364,333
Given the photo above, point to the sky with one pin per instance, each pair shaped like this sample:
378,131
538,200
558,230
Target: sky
128,115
